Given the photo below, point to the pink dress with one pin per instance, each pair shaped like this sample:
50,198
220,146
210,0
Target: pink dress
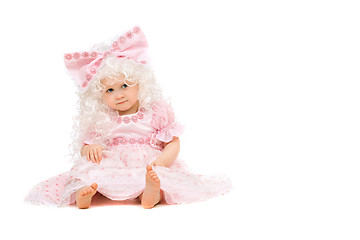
137,141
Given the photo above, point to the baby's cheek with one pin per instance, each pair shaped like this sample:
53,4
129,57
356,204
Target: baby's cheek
107,101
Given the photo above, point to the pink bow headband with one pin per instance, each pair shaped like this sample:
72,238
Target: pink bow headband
83,66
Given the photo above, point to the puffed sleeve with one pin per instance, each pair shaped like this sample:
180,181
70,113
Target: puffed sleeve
89,140
163,120
90,137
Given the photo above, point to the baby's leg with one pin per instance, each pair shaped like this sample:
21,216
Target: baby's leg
84,196
151,195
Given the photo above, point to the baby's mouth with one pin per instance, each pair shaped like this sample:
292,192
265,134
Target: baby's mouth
121,102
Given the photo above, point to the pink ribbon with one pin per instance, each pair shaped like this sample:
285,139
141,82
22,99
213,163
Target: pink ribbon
84,66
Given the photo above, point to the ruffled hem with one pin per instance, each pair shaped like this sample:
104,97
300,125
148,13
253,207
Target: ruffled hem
168,133
178,185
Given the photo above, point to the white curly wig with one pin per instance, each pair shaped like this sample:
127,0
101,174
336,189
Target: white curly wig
94,118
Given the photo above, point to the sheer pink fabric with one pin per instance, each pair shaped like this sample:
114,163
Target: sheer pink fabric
137,141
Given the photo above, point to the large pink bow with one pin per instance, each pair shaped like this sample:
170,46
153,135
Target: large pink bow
83,66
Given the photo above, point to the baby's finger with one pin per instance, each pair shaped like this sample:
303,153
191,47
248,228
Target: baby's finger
89,154
100,155
96,155
92,156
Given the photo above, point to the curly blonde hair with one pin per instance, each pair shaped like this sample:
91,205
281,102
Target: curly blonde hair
95,119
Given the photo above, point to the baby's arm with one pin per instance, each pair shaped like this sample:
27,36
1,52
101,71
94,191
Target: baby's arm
169,153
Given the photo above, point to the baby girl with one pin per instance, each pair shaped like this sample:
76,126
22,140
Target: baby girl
126,138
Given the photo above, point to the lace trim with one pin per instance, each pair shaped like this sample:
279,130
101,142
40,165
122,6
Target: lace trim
134,118
131,141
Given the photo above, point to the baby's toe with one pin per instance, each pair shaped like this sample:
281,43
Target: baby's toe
148,168
155,178
94,186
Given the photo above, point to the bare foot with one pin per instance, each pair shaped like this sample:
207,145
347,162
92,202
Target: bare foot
151,195
84,196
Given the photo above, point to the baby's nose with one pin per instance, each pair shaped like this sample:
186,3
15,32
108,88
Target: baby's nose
119,96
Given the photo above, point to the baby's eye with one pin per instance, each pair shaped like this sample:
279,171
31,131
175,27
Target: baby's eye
124,86
110,90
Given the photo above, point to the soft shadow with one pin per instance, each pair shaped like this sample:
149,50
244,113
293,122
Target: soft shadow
100,200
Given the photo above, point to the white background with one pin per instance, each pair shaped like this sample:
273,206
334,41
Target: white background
268,91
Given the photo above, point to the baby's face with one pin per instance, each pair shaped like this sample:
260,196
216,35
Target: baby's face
119,96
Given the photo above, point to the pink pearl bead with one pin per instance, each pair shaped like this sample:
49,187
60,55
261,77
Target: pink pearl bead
68,57
126,119
137,30
106,53
77,55
134,118
129,35
93,54
116,142
122,39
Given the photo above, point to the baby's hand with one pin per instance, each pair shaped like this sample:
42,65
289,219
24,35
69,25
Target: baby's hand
93,152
